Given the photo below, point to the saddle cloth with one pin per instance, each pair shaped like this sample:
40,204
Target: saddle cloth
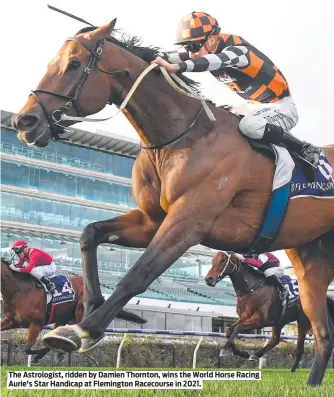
291,285
64,293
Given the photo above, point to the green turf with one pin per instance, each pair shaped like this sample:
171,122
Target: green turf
274,383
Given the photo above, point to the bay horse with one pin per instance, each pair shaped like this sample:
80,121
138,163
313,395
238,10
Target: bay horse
24,305
195,182
258,306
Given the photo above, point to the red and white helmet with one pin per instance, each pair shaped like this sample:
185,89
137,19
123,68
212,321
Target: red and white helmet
19,245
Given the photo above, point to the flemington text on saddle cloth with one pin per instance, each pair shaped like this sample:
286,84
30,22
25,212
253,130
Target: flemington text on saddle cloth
322,187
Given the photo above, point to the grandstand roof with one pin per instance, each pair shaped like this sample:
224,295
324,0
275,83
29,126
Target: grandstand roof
102,140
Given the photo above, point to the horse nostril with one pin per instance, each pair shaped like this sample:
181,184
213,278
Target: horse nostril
26,122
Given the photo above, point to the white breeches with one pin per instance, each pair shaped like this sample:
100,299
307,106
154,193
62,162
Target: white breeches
282,113
277,271
47,271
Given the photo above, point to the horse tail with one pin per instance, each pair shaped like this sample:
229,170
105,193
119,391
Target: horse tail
330,307
128,316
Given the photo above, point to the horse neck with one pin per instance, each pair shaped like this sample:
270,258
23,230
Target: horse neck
156,111
8,281
243,280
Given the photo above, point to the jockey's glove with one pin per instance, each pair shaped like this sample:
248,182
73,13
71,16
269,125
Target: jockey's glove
14,268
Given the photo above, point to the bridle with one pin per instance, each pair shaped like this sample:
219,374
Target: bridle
96,55
235,268
72,98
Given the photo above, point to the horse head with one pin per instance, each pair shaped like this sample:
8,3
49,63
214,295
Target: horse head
93,69
75,83
223,264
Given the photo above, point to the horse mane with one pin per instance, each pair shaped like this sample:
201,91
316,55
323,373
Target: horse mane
18,275
133,44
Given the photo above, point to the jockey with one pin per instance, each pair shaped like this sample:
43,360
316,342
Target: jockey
39,263
272,269
246,70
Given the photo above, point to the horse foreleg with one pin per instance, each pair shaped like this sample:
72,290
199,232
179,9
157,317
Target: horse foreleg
314,275
303,327
179,231
33,332
134,229
274,341
240,327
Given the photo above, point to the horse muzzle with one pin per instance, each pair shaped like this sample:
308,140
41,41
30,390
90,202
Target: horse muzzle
211,281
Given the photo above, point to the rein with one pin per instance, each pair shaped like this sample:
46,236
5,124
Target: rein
14,293
96,55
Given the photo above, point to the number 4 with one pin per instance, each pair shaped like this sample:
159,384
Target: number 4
66,288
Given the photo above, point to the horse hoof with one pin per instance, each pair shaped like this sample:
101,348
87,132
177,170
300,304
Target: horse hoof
64,339
89,343
253,357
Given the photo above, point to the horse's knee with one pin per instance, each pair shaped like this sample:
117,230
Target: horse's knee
88,237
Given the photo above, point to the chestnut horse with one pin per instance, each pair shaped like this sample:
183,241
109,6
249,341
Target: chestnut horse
195,182
24,305
258,306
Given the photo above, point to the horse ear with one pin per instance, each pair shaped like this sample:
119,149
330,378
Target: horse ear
104,31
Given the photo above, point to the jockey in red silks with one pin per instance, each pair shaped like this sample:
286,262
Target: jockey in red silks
272,269
34,261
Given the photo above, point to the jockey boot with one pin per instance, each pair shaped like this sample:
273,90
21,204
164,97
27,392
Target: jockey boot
276,135
50,286
283,293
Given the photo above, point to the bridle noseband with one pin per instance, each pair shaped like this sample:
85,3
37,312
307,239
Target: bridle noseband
96,55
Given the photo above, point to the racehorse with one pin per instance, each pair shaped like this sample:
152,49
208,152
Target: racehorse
195,182
258,306
24,304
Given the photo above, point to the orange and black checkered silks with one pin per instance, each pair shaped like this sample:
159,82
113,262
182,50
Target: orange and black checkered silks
195,26
261,80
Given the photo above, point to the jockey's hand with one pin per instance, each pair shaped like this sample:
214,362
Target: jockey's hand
170,67
14,268
239,256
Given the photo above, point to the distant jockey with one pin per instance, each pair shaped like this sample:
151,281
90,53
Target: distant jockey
270,266
34,261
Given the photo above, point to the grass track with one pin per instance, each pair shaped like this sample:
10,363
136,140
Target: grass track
274,383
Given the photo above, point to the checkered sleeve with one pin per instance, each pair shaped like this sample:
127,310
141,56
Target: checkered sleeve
231,57
178,56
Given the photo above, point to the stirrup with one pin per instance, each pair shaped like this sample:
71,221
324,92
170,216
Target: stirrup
311,154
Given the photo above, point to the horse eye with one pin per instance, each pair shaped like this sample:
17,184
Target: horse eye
75,64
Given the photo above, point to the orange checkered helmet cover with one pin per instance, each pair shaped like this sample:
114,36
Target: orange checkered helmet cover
195,26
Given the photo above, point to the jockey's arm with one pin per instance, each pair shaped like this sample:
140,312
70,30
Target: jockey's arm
255,262
232,56
181,55
32,262
20,263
